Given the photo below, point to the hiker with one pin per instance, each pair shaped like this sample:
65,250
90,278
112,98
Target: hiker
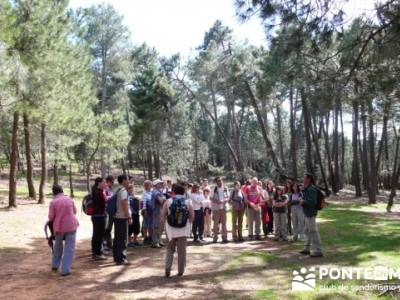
218,206
205,185
207,211
253,196
197,199
62,213
109,192
288,191
134,228
98,218
264,209
238,207
177,236
157,202
122,219
297,213
280,203
147,212
271,195
312,245
168,189
188,189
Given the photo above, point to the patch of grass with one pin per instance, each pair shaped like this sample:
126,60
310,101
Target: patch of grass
266,294
359,237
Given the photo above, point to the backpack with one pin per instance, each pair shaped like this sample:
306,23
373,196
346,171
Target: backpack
112,204
88,204
320,199
178,213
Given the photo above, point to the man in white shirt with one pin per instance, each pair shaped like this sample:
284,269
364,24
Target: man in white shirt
197,199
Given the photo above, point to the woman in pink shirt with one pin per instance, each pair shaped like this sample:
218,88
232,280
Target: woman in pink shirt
62,213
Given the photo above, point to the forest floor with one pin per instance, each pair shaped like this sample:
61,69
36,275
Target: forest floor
353,234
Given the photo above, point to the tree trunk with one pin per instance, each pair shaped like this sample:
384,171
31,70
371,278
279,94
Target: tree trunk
12,196
364,160
280,134
43,152
356,165
335,148
29,167
293,135
103,105
130,156
373,173
157,165
71,187
383,141
55,172
149,164
268,145
395,173
343,151
307,131
317,148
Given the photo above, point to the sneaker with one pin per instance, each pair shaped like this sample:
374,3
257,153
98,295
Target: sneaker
137,244
99,257
156,246
258,238
251,238
54,269
161,244
66,274
131,245
225,241
305,252
179,274
316,254
125,262
167,273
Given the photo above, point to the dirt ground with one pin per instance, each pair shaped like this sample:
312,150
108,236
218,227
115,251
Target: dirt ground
214,271
25,266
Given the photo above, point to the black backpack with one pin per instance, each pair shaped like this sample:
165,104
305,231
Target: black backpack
178,213
88,204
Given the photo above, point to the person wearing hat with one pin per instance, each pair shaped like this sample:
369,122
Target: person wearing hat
157,199
197,200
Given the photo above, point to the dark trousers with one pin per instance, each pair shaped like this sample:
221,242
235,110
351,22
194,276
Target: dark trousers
107,234
120,239
134,228
271,220
99,227
289,220
198,224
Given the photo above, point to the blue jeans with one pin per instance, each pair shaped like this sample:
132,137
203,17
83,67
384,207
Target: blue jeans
68,249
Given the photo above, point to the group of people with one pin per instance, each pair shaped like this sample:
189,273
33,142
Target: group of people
276,210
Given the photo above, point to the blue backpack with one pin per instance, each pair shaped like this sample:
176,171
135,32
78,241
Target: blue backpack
112,204
178,214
